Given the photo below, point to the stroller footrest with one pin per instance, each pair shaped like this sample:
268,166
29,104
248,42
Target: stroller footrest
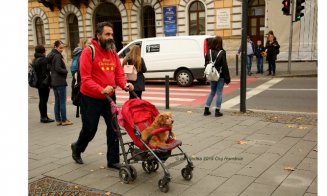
171,145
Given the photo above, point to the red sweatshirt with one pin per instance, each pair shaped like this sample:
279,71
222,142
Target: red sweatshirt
105,70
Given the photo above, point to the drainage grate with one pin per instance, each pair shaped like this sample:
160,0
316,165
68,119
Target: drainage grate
48,186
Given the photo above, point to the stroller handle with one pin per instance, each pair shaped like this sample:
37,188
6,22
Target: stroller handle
110,100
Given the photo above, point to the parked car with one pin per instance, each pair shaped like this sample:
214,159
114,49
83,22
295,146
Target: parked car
179,57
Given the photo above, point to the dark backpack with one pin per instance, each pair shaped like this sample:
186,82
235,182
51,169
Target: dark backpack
76,85
32,76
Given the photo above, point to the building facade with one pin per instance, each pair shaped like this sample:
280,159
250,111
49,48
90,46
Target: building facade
71,20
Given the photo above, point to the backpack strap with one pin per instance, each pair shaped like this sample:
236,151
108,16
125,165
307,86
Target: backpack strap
92,51
217,57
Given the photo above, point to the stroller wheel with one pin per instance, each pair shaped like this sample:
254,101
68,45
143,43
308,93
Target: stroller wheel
133,172
125,175
163,186
147,166
155,165
187,174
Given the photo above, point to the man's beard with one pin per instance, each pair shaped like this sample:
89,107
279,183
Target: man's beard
108,44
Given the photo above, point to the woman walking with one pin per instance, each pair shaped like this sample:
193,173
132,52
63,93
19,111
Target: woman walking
217,86
134,58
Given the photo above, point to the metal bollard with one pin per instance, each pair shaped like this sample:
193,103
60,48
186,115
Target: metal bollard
167,91
237,64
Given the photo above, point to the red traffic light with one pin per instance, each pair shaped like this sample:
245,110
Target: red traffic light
286,7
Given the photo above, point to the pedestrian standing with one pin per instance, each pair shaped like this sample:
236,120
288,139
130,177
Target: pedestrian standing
43,83
134,58
272,50
259,49
217,86
100,75
249,54
58,82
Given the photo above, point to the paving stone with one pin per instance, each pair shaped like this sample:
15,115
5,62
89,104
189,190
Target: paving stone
296,183
205,186
233,186
227,169
259,165
313,187
258,189
308,164
283,145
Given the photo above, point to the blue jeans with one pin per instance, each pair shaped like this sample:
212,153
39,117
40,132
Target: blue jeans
91,110
260,64
249,62
60,103
216,87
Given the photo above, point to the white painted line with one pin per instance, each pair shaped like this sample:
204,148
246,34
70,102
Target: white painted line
179,89
236,100
157,98
121,102
171,93
288,89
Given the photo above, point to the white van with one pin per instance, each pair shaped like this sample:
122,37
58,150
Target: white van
179,57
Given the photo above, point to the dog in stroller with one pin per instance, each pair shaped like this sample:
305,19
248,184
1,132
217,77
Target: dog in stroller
136,116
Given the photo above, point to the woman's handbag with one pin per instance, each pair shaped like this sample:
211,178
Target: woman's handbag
130,72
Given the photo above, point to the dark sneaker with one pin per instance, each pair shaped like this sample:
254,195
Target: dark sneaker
76,155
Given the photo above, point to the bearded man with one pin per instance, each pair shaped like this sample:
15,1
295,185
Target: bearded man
100,75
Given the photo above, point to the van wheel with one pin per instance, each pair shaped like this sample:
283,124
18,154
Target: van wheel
184,78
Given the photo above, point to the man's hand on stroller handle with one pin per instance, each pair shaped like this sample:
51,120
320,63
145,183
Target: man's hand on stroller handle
129,87
108,90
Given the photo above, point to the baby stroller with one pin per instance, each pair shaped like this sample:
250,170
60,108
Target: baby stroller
135,116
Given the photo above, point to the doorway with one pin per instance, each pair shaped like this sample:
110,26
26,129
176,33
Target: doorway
256,18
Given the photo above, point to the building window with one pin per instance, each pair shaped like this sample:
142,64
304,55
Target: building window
197,18
39,27
149,22
73,32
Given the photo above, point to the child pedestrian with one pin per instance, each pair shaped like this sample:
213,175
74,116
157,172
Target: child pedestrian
259,49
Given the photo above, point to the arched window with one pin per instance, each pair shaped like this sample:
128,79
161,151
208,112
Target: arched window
109,12
39,29
73,32
149,22
197,21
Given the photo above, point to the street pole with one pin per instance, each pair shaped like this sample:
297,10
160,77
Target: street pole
290,38
243,55
142,19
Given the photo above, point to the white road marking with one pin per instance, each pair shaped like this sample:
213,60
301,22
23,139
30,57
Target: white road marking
289,89
236,100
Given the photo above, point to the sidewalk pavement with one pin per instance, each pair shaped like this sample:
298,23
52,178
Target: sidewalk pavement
237,154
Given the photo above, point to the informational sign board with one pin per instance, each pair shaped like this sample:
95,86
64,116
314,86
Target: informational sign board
170,26
223,18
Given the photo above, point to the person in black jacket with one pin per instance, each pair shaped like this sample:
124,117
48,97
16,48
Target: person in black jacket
217,86
272,50
259,49
58,82
134,58
43,85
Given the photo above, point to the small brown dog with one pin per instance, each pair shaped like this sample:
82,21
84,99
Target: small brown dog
162,120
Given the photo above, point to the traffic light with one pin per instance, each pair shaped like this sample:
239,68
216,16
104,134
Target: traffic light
298,10
286,7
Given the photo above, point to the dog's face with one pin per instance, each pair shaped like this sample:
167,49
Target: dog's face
165,119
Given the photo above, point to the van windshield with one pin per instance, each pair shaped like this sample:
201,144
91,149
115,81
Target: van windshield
126,50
